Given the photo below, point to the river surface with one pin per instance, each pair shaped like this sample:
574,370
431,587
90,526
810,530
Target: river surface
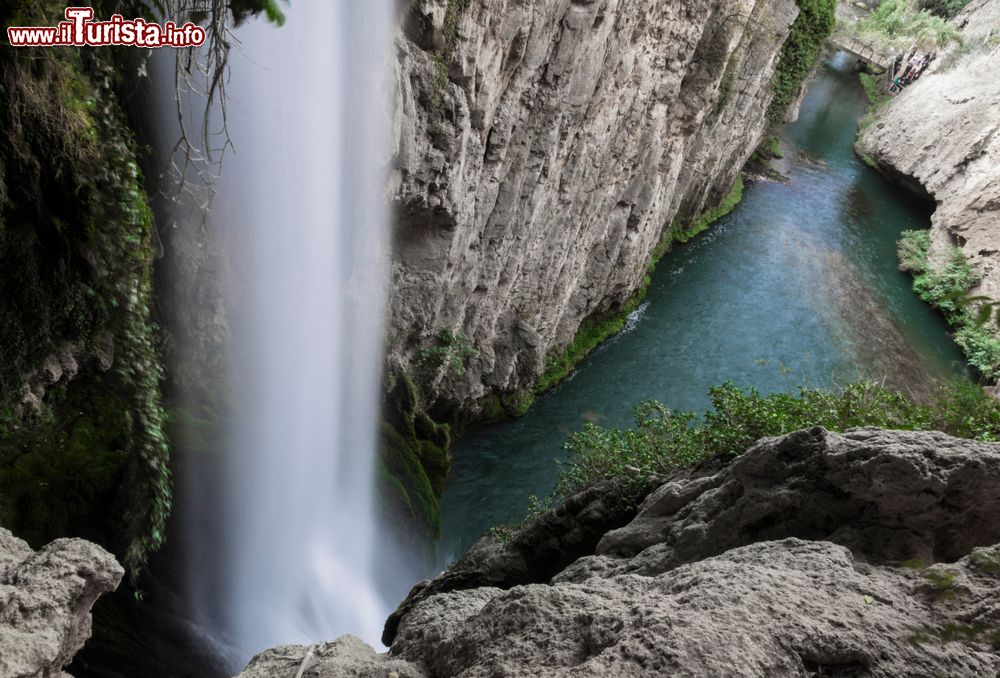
798,286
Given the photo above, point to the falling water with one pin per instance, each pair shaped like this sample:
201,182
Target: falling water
301,200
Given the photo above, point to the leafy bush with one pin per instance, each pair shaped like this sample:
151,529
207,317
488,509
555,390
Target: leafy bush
900,24
76,256
803,47
946,288
451,349
664,440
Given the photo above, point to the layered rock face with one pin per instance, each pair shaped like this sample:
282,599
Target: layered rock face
872,553
45,601
943,133
542,148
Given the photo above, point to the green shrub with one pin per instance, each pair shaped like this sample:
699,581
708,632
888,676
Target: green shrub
901,24
946,289
664,440
802,48
452,350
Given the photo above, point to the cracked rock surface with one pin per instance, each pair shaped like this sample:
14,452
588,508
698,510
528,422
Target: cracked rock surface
868,553
541,148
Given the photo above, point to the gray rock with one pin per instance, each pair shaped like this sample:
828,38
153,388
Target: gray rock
943,134
889,496
346,657
806,556
45,601
542,148
785,608
532,554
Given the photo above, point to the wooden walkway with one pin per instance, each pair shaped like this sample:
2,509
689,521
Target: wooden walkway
862,50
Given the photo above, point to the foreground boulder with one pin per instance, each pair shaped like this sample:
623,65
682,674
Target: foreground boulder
863,554
45,601
889,496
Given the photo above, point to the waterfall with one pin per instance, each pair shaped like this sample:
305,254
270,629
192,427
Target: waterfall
301,200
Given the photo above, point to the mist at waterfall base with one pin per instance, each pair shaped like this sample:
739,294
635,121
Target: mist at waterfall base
290,554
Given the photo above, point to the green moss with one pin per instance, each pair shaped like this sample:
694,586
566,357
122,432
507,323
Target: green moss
76,266
943,287
60,477
727,205
802,48
726,85
442,58
414,459
451,18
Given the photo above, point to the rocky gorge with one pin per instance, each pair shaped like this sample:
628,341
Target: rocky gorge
545,155
940,138
868,553
543,151
944,137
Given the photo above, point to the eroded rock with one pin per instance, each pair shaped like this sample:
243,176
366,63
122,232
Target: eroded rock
45,601
889,496
867,553
784,608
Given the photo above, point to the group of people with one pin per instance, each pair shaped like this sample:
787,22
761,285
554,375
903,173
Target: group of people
915,65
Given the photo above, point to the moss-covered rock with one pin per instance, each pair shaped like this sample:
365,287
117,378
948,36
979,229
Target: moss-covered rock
414,458
76,271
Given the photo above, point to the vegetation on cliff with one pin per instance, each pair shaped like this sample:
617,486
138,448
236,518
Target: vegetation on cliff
413,460
945,286
76,253
903,24
88,456
802,48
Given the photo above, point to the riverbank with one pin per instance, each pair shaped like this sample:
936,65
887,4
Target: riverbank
941,137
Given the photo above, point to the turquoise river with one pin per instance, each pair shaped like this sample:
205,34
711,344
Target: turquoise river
797,286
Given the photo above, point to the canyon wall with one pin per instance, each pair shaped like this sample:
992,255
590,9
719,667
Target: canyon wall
943,134
543,148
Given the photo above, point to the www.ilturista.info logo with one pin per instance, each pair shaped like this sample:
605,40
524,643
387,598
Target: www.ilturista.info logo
79,29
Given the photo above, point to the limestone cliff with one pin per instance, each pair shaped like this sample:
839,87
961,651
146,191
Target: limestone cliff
542,150
866,553
943,133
